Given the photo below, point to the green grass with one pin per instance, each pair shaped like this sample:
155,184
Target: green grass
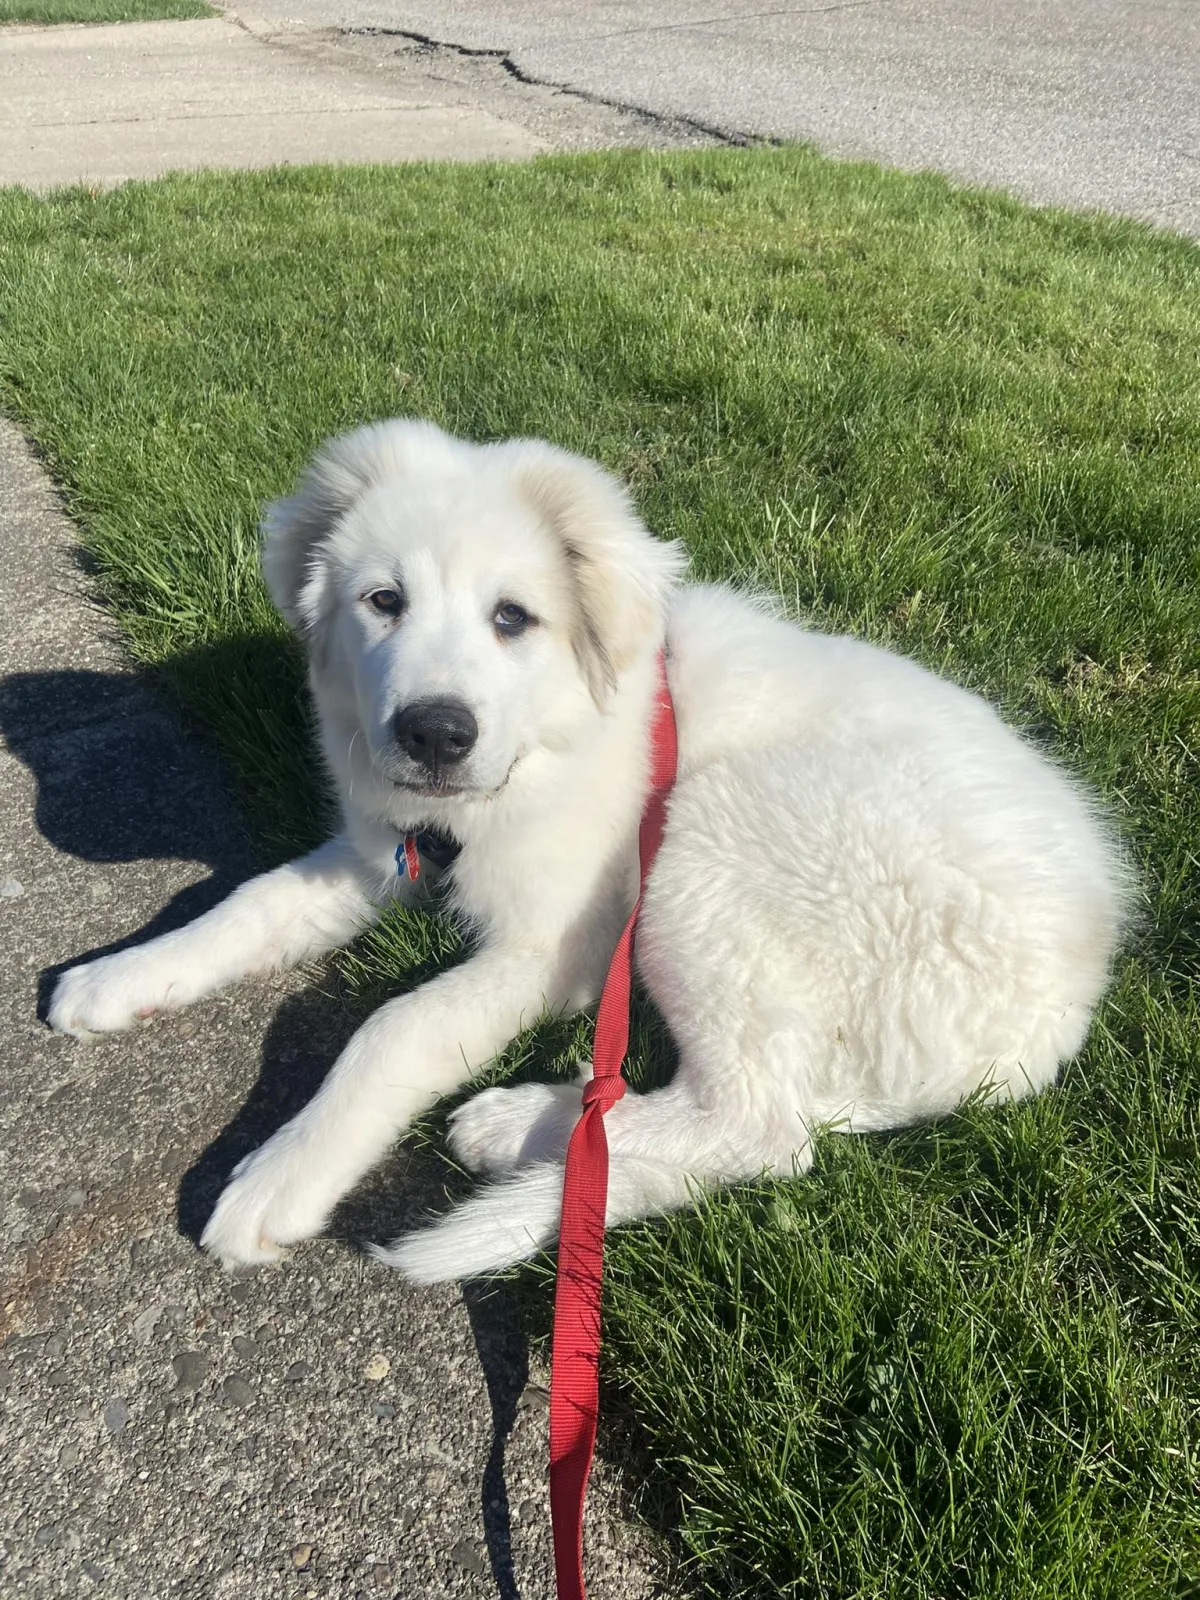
961,1361
101,10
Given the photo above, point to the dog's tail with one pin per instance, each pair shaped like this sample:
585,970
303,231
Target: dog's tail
509,1221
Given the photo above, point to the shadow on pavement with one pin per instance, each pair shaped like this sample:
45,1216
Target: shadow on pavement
496,1325
119,781
301,1044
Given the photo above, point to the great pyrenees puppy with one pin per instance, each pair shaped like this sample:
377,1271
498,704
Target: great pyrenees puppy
872,897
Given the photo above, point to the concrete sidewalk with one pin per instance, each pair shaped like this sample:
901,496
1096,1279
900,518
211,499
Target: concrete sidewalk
133,100
147,97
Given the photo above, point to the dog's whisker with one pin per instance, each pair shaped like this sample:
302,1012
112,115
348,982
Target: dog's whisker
350,762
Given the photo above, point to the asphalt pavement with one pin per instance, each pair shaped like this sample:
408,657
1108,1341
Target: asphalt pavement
1088,103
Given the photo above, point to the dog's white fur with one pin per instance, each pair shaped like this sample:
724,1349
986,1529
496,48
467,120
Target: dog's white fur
872,898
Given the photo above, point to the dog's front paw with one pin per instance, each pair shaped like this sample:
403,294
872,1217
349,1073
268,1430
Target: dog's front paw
270,1202
107,995
499,1130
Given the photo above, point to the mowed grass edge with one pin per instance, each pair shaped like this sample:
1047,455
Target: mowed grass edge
97,11
960,1361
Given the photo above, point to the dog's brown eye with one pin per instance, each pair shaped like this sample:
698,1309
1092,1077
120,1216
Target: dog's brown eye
511,619
388,602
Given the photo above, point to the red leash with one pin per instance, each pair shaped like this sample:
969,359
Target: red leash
575,1368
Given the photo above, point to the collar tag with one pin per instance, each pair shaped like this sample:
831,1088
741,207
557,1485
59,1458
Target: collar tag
408,858
438,849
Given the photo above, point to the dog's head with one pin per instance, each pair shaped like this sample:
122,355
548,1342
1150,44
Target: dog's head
463,604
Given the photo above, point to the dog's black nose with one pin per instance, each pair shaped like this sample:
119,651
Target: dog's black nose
437,733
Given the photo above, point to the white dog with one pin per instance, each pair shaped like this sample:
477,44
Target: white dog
872,897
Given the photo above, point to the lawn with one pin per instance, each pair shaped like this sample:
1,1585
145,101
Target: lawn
957,1362
101,10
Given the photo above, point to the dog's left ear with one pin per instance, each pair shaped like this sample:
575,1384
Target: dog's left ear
620,574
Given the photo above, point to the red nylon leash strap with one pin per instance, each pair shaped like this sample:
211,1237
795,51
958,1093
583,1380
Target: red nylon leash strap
575,1367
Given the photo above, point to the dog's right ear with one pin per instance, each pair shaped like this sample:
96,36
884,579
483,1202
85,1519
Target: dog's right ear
621,577
295,530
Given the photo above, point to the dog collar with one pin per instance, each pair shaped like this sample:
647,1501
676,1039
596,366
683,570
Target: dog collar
440,850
